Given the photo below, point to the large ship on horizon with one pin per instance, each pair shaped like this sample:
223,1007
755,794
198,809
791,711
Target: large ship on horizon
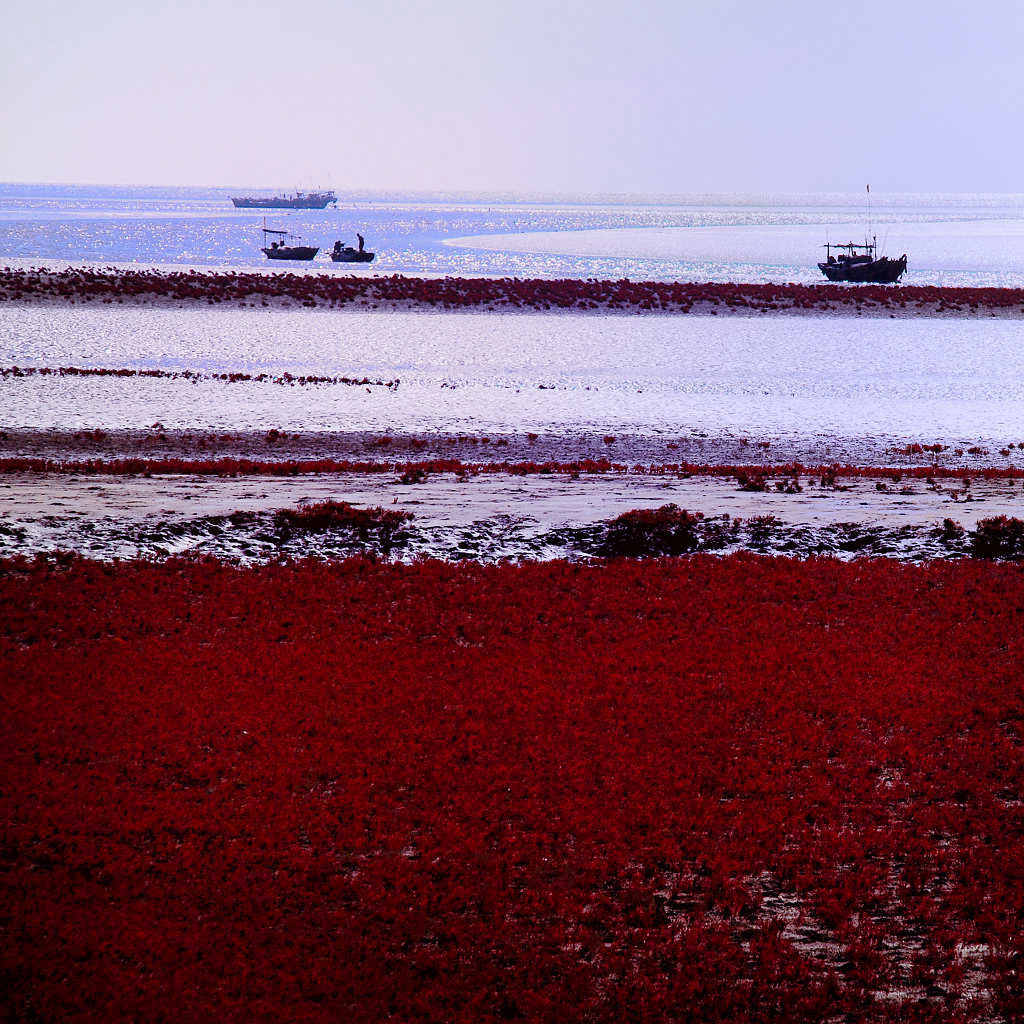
299,201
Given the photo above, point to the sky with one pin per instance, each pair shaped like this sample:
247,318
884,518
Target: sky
574,97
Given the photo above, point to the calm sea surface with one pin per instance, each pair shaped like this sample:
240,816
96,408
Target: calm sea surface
950,239
918,378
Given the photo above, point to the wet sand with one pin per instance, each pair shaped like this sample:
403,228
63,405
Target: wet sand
550,500
492,516
628,449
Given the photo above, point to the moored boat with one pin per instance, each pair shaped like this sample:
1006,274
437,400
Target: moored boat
280,249
857,263
299,201
861,264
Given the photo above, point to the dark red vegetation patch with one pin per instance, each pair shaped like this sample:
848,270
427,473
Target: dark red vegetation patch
712,789
999,537
377,524
326,514
669,530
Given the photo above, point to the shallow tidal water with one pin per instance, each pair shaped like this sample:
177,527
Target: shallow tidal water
919,378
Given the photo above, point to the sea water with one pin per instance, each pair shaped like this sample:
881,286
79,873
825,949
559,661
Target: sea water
916,377
922,378
971,240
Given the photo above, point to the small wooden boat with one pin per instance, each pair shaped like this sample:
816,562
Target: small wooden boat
280,249
857,263
346,254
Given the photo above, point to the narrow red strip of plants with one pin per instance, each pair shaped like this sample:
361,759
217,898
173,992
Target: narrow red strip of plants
111,285
751,476
232,377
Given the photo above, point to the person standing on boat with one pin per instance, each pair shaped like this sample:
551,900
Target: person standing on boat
360,237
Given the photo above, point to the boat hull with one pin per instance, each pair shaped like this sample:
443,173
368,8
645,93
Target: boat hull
291,252
883,271
281,203
353,257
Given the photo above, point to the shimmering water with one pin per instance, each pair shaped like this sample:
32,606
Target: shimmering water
978,253
962,239
917,377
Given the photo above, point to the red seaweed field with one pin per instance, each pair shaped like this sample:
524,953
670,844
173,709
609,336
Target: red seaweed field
703,789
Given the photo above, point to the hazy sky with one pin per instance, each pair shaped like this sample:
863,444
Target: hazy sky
581,95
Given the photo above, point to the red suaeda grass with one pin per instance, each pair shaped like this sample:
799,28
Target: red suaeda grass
748,474
668,530
112,285
380,525
702,789
233,377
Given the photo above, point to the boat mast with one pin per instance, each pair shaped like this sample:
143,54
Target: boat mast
873,238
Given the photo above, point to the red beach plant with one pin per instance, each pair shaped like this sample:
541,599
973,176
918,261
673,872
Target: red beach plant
750,477
378,524
714,789
998,537
311,290
669,530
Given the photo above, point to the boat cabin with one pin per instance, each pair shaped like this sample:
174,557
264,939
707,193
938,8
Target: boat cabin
850,252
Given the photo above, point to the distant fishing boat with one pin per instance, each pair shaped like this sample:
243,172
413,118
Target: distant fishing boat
299,201
858,263
279,249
